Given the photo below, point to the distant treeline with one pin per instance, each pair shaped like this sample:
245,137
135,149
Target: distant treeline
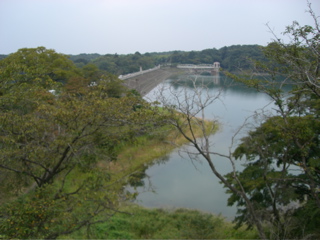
232,58
2,56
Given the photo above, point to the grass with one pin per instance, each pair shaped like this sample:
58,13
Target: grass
135,156
143,223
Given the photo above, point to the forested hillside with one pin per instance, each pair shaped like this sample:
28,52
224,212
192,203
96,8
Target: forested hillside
2,56
54,129
60,141
67,121
232,58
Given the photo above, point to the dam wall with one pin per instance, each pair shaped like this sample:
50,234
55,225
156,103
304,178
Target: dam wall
148,80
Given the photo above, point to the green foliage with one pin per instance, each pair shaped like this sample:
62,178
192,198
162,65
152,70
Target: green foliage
282,174
232,58
35,64
51,211
50,143
140,223
83,58
2,56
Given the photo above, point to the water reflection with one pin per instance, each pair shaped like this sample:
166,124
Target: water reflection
138,179
180,182
223,82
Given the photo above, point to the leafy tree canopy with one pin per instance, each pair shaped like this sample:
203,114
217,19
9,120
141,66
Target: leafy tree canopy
282,173
52,136
232,58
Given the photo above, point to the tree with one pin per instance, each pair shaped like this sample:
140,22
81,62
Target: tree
188,117
50,145
283,152
278,190
22,66
91,72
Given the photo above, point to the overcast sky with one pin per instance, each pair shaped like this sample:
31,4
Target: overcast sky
127,26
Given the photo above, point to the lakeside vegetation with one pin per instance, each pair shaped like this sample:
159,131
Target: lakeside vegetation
72,136
67,154
143,223
136,222
232,58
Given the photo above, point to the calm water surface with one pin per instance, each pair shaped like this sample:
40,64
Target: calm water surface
180,182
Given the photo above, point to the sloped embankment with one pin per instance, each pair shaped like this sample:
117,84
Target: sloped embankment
144,83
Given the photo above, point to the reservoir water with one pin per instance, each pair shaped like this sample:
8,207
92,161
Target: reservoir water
177,181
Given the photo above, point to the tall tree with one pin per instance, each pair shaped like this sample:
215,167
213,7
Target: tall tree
50,144
282,175
191,104
278,190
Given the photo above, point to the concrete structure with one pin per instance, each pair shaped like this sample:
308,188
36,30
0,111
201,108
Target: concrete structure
213,69
148,80
145,80
216,66
131,75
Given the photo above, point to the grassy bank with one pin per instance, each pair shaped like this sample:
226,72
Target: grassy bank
135,156
136,222
143,223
